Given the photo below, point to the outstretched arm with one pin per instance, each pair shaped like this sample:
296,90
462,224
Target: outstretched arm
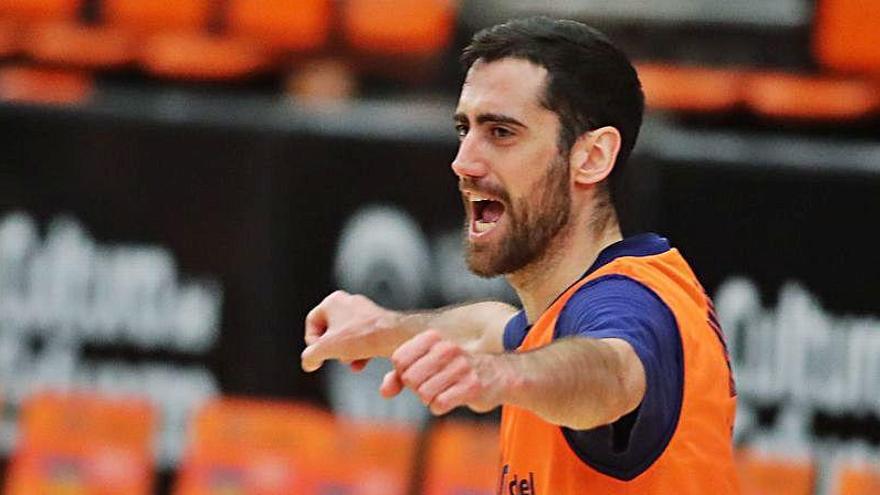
576,382
352,328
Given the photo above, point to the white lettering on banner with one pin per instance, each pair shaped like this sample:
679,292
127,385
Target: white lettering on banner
797,352
68,287
67,291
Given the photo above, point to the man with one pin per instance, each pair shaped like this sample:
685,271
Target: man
613,378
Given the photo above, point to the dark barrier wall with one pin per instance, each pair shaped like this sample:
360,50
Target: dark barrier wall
247,219
231,231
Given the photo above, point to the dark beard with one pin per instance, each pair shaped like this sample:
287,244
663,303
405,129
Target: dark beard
532,227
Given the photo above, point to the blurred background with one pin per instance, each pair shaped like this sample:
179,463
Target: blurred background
181,181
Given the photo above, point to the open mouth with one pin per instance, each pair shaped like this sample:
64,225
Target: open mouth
485,214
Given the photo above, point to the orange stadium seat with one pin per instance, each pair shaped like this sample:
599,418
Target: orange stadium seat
398,27
159,15
462,457
856,479
70,43
174,40
83,444
811,97
763,474
17,17
303,25
370,459
690,89
47,86
31,10
10,37
249,446
268,448
846,37
201,56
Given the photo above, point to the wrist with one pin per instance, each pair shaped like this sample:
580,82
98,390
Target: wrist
397,328
506,380
516,381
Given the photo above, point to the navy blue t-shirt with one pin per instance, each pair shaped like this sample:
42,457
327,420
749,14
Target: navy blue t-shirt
616,306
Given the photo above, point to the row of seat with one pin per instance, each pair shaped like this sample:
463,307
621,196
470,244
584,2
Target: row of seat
763,473
777,95
218,39
176,39
845,85
88,444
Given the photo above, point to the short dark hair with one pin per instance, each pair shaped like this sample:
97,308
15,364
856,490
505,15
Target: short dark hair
591,82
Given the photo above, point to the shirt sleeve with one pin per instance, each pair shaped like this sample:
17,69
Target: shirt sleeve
617,306
515,331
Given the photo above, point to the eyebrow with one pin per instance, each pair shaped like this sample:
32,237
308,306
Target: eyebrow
494,118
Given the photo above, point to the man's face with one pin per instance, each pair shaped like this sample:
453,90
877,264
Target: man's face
513,178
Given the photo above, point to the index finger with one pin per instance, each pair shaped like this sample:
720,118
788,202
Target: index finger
335,345
413,350
316,324
318,319
312,357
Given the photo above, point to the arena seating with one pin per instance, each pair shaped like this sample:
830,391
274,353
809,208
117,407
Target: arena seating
857,480
214,40
83,443
778,474
282,26
277,448
846,36
462,457
88,443
44,85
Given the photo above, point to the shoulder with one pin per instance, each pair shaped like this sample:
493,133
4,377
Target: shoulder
609,302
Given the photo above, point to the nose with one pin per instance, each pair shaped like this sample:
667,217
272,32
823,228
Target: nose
470,162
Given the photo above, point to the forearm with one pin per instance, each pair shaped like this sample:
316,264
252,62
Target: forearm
353,329
477,327
578,382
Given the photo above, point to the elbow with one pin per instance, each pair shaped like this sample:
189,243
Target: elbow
616,404
627,386
631,384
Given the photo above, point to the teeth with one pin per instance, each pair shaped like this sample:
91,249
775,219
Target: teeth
481,226
474,199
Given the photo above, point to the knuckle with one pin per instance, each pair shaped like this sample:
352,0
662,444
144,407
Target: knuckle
408,379
336,295
473,388
449,351
430,335
460,365
397,360
425,394
444,350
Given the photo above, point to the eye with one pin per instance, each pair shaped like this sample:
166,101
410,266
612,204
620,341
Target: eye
501,132
461,130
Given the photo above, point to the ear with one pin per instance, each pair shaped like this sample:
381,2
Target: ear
593,155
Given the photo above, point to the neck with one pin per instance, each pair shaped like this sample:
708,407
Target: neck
564,261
